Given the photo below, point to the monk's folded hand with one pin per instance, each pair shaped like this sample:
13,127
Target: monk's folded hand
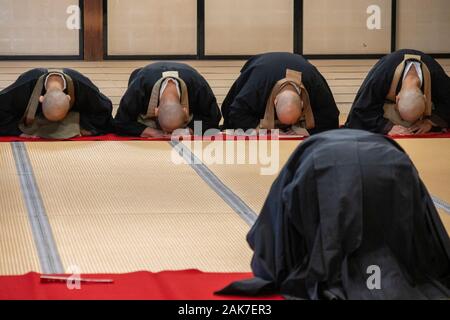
27,136
261,132
85,133
153,133
422,127
301,132
183,132
399,130
289,132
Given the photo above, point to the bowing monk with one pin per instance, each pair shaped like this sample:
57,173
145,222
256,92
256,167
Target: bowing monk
280,91
406,92
54,104
165,97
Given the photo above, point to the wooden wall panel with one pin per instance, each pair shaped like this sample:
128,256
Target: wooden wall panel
340,27
245,27
424,25
152,27
37,27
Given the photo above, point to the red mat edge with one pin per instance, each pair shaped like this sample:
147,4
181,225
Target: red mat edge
113,137
165,285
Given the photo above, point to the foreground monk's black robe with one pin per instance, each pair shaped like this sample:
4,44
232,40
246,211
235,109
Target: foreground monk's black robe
346,201
95,108
202,102
245,104
367,111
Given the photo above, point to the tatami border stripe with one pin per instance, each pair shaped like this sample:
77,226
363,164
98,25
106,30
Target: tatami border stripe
441,204
42,233
236,203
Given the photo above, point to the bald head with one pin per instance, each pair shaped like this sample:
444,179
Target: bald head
171,116
411,104
289,107
55,105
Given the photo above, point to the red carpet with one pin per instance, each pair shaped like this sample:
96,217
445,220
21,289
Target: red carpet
424,136
113,137
174,285
109,137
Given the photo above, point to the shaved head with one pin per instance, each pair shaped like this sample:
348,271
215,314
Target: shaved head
289,107
55,105
411,104
171,116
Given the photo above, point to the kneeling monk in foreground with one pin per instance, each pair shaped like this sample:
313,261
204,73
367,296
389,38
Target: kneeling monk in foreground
349,218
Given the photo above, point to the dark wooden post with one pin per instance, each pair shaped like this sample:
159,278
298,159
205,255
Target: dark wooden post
93,30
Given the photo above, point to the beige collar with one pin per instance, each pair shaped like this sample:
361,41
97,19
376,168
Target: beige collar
293,78
426,82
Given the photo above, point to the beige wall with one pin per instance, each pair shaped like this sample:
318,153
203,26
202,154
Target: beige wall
424,25
244,27
32,27
232,27
152,27
340,27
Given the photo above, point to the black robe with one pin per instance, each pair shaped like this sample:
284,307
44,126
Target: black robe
95,108
245,104
367,111
202,102
345,201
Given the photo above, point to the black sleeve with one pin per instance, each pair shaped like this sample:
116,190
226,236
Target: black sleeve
9,123
243,111
326,113
133,76
208,111
369,115
367,111
132,103
96,113
13,103
441,100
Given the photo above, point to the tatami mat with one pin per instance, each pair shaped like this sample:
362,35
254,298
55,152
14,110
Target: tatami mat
117,207
445,217
213,242
113,178
17,251
125,206
432,159
11,201
246,180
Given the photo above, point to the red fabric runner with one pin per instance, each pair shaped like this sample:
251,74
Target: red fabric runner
113,137
423,136
168,285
